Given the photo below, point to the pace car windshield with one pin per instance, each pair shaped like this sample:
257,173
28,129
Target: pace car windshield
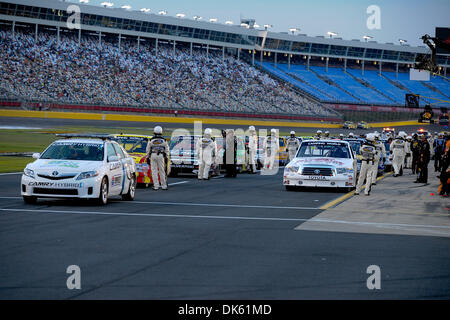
313,149
133,144
74,151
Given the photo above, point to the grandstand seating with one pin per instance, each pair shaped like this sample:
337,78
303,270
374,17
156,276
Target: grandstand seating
352,86
67,72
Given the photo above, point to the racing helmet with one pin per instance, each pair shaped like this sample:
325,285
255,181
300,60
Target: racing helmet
251,129
158,130
292,133
319,131
273,131
350,134
370,137
208,132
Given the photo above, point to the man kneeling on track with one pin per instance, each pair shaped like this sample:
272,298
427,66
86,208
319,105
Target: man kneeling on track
368,153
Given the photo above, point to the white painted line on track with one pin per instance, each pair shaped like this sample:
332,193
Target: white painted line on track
204,204
223,205
155,215
176,183
10,173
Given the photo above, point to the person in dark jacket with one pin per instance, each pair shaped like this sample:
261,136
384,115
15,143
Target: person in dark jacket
415,147
230,154
444,177
424,159
439,150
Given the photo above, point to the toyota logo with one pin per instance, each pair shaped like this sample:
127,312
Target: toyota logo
317,171
54,173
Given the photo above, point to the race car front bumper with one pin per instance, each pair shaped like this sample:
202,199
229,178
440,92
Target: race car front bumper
337,181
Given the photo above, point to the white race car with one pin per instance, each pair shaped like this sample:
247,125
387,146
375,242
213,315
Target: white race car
80,166
322,163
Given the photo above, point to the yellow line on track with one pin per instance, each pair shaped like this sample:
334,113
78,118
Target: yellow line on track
341,199
165,119
161,119
397,124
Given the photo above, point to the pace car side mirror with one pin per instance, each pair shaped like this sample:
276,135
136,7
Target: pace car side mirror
113,158
36,155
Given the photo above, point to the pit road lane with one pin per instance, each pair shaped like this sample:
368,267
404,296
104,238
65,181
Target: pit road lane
217,239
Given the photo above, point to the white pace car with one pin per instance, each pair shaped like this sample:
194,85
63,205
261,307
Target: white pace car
80,166
322,163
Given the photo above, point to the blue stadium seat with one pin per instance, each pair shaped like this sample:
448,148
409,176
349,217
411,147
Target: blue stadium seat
385,92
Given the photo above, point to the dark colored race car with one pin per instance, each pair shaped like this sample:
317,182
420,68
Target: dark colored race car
184,158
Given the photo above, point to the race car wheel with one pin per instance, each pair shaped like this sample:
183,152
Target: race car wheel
29,199
103,196
131,190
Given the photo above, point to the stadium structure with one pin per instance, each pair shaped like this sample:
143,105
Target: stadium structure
280,75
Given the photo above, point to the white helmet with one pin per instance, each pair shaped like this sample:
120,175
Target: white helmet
341,134
273,131
208,132
408,138
157,130
370,137
251,129
293,132
350,134
319,131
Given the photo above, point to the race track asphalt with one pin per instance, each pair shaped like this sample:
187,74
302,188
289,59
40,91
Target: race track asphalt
116,125
217,239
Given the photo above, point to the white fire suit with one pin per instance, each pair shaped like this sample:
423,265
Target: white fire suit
271,147
408,155
292,145
398,152
368,153
252,151
380,152
158,152
206,150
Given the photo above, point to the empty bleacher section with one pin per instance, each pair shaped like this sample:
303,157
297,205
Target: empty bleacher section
352,86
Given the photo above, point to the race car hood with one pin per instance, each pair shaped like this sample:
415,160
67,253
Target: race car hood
335,162
63,166
137,157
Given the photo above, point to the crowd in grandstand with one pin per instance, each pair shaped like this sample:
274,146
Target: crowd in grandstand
101,73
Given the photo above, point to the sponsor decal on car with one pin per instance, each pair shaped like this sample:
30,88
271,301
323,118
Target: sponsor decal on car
60,163
332,161
55,184
317,178
114,165
116,180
